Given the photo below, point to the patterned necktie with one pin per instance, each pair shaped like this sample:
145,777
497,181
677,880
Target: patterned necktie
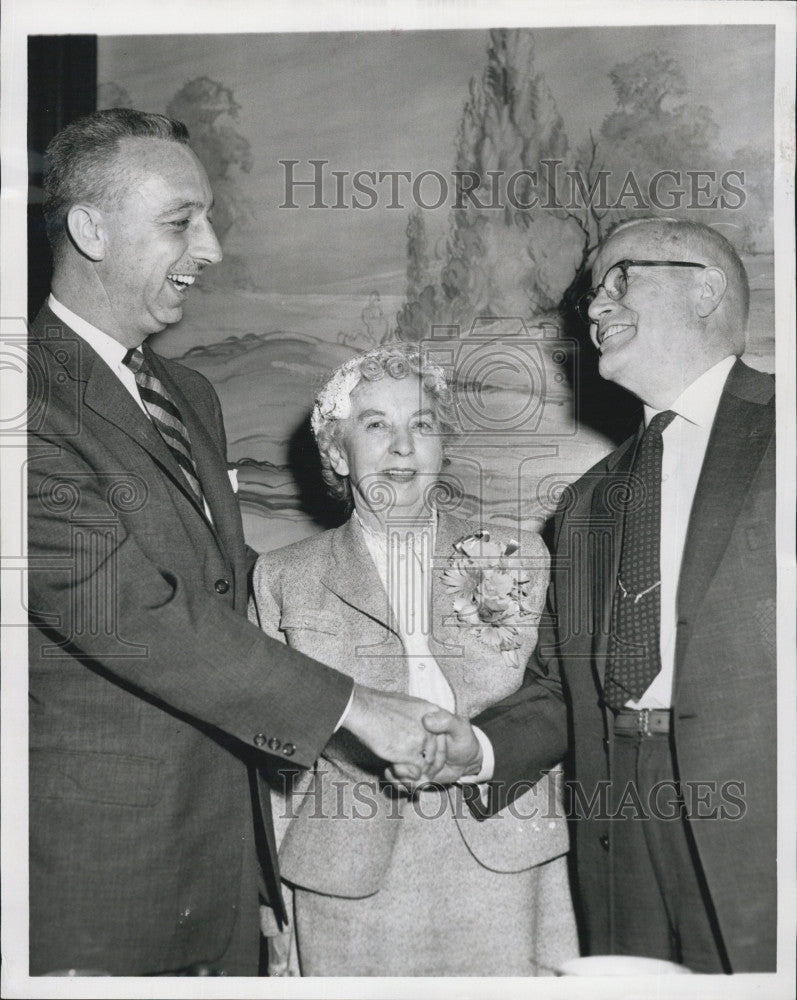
634,655
166,417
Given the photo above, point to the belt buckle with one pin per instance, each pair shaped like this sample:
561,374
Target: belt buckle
643,722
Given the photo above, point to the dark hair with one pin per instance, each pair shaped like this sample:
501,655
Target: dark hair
79,162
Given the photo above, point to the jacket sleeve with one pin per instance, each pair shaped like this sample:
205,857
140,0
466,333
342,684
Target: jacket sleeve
264,608
184,647
528,731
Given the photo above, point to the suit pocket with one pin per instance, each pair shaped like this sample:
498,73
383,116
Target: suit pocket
316,621
94,777
529,832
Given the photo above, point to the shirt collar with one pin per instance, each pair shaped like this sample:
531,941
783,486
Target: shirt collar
372,535
699,401
110,350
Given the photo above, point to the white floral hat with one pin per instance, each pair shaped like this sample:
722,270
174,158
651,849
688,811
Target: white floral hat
334,400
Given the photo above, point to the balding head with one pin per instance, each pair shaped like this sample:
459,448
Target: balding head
680,307
681,240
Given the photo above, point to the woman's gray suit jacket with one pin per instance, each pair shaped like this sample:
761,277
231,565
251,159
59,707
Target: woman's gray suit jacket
324,596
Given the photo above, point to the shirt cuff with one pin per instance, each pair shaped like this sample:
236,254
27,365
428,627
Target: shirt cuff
342,719
488,761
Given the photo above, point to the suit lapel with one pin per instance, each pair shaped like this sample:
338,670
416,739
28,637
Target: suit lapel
353,577
119,408
103,394
739,437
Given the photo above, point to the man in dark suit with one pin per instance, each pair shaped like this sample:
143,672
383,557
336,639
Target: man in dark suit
153,701
657,668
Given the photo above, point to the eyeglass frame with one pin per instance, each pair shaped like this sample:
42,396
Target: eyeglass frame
585,301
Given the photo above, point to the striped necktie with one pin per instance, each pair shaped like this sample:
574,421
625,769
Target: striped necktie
166,417
634,654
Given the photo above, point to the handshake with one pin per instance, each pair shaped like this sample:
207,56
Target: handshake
421,741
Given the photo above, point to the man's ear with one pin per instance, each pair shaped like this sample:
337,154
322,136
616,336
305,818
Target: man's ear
86,228
337,459
711,290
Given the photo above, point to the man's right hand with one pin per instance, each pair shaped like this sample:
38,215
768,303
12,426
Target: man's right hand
391,725
460,755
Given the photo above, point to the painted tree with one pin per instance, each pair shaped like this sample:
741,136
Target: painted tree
210,112
654,126
520,262
506,262
418,313
112,95
500,260
752,228
417,254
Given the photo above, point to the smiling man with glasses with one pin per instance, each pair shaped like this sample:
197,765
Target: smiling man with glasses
658,671
616,281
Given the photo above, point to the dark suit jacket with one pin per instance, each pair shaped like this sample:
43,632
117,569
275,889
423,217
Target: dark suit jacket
724,699
150,692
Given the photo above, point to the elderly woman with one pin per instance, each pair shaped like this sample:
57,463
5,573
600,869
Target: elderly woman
406,597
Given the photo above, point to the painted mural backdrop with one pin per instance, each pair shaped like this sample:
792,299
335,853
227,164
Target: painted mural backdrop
446,188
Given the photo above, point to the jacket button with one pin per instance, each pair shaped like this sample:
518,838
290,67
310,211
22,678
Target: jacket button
221,586
274,743
604,841
260,740
289,749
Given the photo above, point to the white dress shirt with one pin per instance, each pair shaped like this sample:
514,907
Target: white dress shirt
403,560
405,578
685,440
404,564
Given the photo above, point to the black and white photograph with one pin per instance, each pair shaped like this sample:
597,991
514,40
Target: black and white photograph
398,566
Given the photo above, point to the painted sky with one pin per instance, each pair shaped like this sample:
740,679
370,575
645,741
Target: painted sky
392,101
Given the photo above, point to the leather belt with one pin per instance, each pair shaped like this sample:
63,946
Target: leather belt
643,722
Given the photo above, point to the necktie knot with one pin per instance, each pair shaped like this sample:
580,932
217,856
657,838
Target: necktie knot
661,422
134,360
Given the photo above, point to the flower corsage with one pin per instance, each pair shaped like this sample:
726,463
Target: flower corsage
490,596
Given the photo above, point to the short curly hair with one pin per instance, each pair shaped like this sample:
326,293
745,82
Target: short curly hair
332,407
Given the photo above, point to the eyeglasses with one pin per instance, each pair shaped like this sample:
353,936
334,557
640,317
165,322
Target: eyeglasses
615,284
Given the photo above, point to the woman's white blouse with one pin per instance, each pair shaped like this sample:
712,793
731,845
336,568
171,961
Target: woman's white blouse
403,559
